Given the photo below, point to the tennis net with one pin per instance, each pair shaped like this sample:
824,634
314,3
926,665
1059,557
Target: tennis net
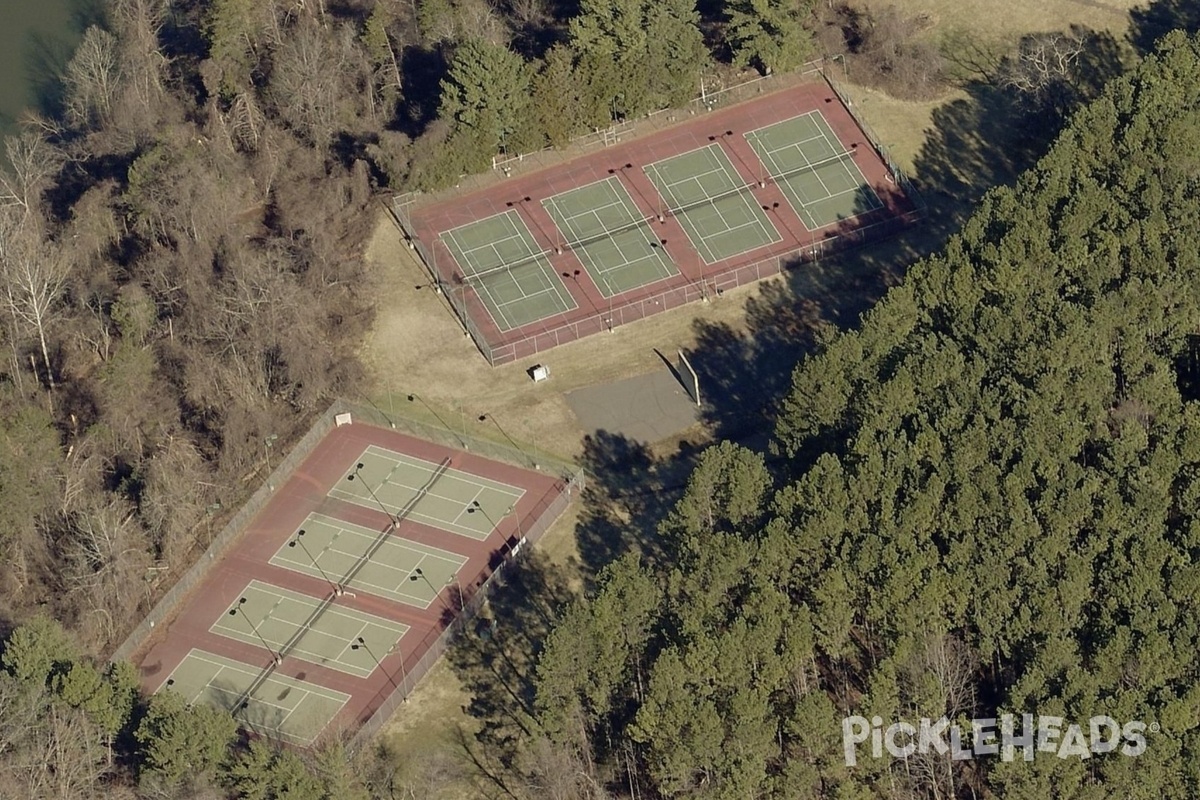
811,166
673,208
475,277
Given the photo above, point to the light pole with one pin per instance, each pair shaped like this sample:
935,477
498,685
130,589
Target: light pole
208,516
513,510
419,575
452,579
845,69
476,508
558,249
774,209
233,612
267,450
608,293
416,398
361,644
658,213
575,277
357,469
299,540
486,417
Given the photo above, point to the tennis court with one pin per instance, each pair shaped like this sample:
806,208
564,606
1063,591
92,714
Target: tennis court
714,205
360,559
814,170
514,279
273,704
436,495
613,241
317,631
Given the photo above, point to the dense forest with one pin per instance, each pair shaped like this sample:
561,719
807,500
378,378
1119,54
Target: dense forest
980,501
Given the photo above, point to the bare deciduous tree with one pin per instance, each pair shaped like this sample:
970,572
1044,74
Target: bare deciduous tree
246,121
32,162
940,677
176,497
93,78
312,79
33,273
1042,71
1042,60
105,560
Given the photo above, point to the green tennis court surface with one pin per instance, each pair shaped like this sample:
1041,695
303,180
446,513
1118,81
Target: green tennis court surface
615,243
499,257
814,170
432,494
359,559
299,626
281,706
714,205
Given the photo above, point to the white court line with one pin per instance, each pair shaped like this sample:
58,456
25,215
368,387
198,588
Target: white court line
494,243
737,189
504,323
855,176
616,198
307,690
359,583
433,468
307,568
352,640
414,515
356,556
813,113
507,323
317,690
394,541
463,510
307,604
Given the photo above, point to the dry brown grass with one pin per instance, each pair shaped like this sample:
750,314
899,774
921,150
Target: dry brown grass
417,346
1005,20
986,26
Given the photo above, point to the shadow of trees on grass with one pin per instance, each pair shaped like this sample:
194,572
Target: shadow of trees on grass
985,139
1150,23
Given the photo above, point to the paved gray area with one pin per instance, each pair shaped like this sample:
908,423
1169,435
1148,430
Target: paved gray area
646,408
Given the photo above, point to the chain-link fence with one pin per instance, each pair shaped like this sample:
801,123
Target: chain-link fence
719,87
166,606
469,603
398,212
877,144
502,350
606,319
219,543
